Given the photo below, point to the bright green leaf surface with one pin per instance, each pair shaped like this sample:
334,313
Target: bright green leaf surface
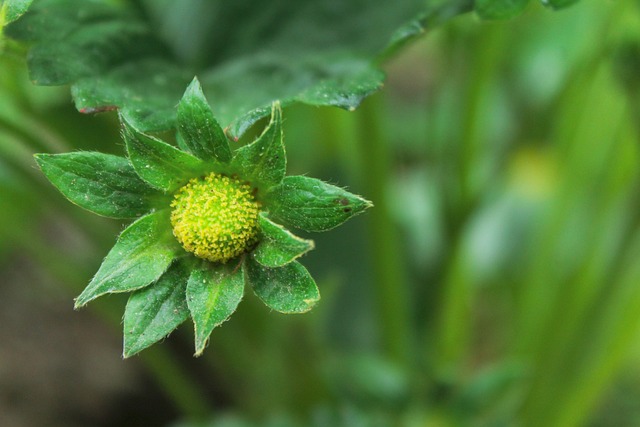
278,245
264,162
201,133
559,4
142,253
500,9
160,164
13,9
213,294
288,289
154,312
322,52
312,205
102,183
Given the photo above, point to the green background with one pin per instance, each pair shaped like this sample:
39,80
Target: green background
495,283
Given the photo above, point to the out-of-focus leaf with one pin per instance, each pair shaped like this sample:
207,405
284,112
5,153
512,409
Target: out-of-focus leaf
500,9
321,52
559,4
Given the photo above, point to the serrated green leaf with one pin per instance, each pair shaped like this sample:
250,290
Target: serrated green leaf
116,57
311,204
264,162
289,289
558,4
499,9
201,133
154,312
278,245
12,10
213,293
141,255
101,183
161,165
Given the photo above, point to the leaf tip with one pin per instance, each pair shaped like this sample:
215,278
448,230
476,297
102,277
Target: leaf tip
79,303
41,158
193,90
200,348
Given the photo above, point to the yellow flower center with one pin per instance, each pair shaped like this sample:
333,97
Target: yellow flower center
215,217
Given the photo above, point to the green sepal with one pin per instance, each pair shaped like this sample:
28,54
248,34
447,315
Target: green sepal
161,165
499,9
202,133
278,246
311,204
559,4
264,162
101,183
289,289
214,291
12,10
141,255
154,312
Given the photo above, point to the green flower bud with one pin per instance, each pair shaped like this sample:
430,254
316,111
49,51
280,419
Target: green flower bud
216,217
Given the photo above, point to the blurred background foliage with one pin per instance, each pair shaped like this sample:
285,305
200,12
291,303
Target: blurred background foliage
496,282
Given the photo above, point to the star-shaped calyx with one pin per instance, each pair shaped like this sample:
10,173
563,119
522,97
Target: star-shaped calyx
208,221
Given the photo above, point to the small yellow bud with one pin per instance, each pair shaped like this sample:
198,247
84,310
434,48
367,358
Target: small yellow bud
215,217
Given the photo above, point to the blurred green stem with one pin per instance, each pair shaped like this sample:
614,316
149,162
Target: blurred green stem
454,316
390,281
483,69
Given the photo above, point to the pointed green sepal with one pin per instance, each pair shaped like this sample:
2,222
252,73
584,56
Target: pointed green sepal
161,165
101,183
499,9
154,312
311,204
214,291
201,133
289,289
278,246
141,255
10,10
263,162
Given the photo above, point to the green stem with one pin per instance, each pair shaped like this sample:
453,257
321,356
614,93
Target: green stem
390,282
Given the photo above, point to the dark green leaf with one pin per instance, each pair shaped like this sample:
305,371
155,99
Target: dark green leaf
142,253
321,52
264,162
102,183
558,4
200,130
500,9
278,245
160,164
12,10
288,289
213,294
311,204
154,312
